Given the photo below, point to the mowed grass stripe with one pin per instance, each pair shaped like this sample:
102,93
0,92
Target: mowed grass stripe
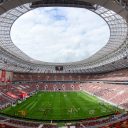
61,106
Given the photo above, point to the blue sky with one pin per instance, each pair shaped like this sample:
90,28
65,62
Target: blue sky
60,34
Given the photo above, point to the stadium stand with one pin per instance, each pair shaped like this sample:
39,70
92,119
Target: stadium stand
120,75
116,94
117,121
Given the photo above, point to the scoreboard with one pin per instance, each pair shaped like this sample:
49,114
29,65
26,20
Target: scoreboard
59,68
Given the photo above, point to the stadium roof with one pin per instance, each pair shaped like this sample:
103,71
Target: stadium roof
114,12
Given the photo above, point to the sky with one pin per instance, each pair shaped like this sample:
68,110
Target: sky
60,34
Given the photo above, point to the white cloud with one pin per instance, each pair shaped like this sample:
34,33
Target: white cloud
60,34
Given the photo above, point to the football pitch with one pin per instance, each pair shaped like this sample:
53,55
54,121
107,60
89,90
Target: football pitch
60,106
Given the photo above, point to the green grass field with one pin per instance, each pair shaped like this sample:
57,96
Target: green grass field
60,106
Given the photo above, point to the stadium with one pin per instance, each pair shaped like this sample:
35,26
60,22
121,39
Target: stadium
87,93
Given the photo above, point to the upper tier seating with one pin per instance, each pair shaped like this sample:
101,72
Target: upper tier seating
120,75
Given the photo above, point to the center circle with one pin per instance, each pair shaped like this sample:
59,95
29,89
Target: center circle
60,34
